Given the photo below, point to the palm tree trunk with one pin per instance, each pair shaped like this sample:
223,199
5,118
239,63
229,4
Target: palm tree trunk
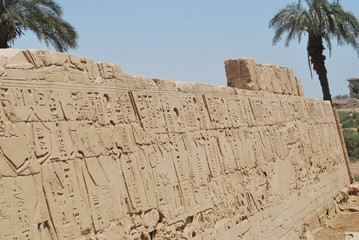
7,32
315,50
4,44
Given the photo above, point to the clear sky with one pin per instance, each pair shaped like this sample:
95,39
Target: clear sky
188,40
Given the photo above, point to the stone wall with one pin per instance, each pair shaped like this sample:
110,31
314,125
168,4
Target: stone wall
88,152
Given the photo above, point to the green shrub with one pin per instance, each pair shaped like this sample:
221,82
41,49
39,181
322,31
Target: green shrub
349,119
355,116
355,152
352,143
351,138
354,87
343,116
344,96
350,123
356,178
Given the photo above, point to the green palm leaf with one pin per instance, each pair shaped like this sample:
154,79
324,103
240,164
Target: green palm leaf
321,21
43,17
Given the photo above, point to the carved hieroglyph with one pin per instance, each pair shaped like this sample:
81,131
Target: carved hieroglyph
88,152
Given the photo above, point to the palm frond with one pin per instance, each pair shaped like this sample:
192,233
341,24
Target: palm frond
291,20
320,18
43,17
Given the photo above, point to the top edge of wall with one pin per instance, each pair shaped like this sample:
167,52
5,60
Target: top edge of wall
243,74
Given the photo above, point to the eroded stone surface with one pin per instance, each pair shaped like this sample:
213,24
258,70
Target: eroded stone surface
245,73
351,236
88,152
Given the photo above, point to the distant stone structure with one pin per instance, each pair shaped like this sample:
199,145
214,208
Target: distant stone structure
89,152
352,80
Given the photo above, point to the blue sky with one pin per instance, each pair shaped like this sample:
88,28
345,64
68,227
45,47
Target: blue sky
188,40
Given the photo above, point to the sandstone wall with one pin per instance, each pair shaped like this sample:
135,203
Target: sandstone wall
88,152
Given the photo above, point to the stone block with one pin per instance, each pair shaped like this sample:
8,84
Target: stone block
18,61
241,73
245,73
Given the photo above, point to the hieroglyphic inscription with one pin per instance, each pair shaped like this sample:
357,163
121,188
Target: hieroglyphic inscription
86,156
176,172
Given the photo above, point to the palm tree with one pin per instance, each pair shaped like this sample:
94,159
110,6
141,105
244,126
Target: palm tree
321,21
43,17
